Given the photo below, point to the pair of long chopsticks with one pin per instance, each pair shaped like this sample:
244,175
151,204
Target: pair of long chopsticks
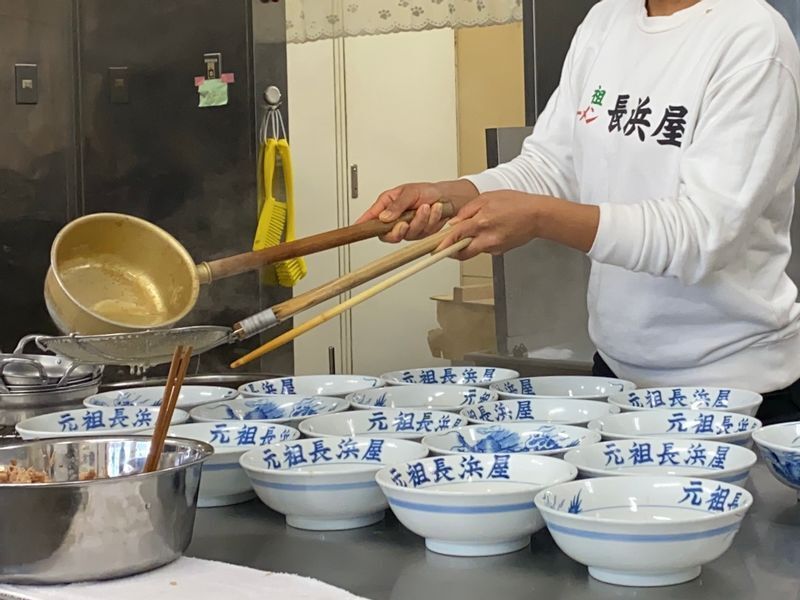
348,304
172,389
291,307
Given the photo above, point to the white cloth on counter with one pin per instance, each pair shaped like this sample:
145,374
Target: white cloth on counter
187,579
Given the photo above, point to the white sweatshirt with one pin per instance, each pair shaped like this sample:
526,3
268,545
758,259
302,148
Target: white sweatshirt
684,130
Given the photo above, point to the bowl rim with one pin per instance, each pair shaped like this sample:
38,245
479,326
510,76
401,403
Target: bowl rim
517,425
182,414
117,393
429,491
207,449
594,424
617,397
220,450
288,399
701,517
349,413
758,436
337,376
393,376
752,457
513,395
411,387
571,402
267,470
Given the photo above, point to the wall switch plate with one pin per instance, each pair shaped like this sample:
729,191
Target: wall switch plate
27,83
213,62
118,88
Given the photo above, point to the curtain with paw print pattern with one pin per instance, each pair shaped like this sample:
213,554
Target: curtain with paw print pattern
309,20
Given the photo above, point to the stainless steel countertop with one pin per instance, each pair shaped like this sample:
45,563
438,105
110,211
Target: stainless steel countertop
386,561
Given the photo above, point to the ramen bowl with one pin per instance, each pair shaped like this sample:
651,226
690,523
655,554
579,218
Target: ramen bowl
644,531
551,410
478,376
224,482
561,386
664,456
472,504
431,397
326,483
310,385
403,423
696,398
547,439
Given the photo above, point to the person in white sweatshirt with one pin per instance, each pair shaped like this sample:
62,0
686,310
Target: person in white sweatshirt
668,154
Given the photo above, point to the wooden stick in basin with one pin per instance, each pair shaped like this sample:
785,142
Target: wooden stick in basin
172,389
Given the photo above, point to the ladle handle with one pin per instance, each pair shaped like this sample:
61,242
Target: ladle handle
252,261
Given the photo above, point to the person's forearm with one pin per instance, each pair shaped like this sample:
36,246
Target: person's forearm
459,192
568,223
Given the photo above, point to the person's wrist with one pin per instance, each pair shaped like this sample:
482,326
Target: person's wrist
538,211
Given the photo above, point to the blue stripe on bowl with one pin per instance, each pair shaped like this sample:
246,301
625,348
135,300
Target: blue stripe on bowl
643,537
319,487
221,466
461,510
734,478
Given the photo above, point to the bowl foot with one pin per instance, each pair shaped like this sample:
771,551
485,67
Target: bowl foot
467,549
638,579
225,500
317,524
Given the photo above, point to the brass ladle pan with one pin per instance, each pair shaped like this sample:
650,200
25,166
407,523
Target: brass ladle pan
112,273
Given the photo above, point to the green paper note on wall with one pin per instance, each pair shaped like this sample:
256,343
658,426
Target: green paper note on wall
213,92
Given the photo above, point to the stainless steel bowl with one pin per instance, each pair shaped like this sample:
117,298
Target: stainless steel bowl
71,530
16,407
43,371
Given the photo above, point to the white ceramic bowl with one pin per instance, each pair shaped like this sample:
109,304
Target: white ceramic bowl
224,482
567,412
404,423
431,397
94,421
552,439
561,386
275,409
326,483
664,456
190,396
479,376
698,398
472,504
780,446
310,385
688,424
644,531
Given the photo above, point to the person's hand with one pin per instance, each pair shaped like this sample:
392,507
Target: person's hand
500,221
393,203
496,222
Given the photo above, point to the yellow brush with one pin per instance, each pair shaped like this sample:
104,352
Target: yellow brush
293,270
275,216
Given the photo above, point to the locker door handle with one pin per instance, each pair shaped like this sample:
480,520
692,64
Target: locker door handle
353,181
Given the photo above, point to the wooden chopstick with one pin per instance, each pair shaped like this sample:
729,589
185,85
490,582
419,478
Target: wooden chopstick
172,390
348,304
311,298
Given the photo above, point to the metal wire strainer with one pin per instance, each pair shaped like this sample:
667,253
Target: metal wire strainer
138,350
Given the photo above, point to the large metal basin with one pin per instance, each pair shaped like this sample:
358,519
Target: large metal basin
73,530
